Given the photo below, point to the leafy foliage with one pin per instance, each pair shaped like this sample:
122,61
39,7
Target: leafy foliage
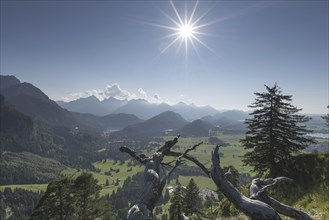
73,199
275,132
310,188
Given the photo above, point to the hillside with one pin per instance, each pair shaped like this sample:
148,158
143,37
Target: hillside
8,81
108,122
31,122
27,168
228,122
156,126
31,101
197,128
12,121
20,133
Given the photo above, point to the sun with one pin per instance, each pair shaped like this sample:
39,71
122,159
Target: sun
186,29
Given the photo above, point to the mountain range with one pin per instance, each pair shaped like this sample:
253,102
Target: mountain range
172,123
135,117
31,101
139,107
168,121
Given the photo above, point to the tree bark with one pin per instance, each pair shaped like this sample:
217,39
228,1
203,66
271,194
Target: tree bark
153,185
258,191
255,209
144,205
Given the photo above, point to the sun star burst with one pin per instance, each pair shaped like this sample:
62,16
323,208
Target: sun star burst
185,28
186,31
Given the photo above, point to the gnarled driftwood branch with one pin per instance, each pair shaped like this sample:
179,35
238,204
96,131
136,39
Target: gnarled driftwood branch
153,185
258,191
152,189
255,209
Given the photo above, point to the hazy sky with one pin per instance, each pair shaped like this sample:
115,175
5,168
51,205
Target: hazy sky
77,48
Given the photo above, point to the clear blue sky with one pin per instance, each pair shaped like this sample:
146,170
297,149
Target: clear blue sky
114,47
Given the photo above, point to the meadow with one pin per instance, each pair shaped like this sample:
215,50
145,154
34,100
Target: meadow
120,171
111,174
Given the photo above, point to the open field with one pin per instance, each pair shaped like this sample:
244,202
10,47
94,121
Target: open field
314,203
118,174
30,187
232,156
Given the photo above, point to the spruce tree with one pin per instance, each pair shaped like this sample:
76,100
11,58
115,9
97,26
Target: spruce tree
176,206
275,132
192,201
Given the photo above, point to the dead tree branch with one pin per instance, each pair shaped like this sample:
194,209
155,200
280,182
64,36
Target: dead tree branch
258,206
258,191
153,185
189,157
252,208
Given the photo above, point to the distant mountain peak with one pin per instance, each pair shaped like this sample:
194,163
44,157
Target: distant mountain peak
168,113
8,81
92,98
26,89
196,128
87,100
139,100
31,101
111,99
155,126
181,104
139,107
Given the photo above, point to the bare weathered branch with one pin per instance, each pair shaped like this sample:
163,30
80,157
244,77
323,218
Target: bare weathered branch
283,208
164,180
168,145
189,157
252,208
139,157
191,148
257,191
258,206
168,163
153,187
